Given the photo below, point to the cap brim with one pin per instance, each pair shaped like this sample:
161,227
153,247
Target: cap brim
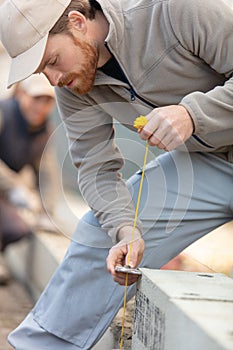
24,65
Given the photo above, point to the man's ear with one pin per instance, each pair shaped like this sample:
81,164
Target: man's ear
77,21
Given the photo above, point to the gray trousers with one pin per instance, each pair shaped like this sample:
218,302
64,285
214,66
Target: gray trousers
185,196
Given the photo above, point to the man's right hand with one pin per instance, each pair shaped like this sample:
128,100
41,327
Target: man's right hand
168,127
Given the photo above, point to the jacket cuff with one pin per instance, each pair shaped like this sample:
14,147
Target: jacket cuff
128,223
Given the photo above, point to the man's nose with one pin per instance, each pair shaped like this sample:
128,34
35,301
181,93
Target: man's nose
53,77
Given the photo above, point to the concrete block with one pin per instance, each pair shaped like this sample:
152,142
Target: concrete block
176,310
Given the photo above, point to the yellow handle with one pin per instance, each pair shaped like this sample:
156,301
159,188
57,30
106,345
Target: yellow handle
140,122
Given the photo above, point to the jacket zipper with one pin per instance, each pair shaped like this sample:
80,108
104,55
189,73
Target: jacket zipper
133,93
201,141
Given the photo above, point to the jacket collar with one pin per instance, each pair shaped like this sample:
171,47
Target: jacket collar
113,12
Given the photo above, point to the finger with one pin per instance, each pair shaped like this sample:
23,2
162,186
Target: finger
158,137
149,129
134,256
114,259
121,278
174,144
111,265
161,142
154,141
172,141
165,136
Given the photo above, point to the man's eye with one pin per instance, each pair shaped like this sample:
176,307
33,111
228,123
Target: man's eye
53,62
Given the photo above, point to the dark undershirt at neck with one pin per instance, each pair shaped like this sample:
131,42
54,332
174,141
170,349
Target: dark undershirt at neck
113,69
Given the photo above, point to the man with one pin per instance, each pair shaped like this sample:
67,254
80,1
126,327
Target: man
164,59
24,132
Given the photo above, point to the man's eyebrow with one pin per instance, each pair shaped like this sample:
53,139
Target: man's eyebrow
42,66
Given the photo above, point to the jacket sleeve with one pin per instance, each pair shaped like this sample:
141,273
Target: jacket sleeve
205,28
94,152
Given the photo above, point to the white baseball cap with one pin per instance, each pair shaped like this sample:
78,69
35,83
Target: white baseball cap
24,30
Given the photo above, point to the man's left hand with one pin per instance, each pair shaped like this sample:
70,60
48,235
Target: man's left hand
124,251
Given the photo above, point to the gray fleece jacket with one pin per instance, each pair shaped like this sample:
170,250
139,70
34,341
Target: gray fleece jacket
171,52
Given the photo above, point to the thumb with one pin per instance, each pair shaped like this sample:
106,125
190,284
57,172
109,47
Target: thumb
131,257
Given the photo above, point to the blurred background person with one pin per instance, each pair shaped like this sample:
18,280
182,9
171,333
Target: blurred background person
25,129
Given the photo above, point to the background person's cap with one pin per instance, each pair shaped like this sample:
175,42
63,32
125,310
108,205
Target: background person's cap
37,85
24,29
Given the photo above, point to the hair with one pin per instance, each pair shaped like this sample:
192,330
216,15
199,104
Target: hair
87,7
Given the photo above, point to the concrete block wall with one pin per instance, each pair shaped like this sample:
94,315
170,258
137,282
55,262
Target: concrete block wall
176,310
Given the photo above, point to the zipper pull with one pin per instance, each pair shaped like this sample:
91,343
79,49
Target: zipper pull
132,94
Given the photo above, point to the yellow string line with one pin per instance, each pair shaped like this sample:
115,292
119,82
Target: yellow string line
124,311
138,201
131,244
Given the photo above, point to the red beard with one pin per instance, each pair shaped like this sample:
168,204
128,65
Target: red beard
86,75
